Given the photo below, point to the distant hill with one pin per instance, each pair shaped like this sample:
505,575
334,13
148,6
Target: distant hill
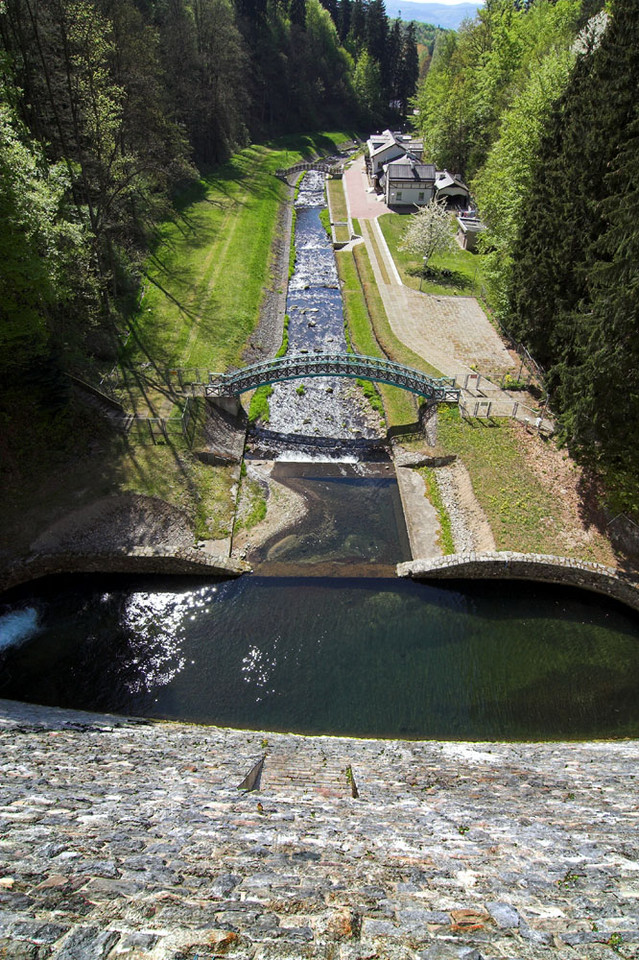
439,14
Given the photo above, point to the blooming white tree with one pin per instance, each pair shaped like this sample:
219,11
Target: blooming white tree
429,231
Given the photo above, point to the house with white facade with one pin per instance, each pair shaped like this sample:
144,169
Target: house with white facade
407,182
384,147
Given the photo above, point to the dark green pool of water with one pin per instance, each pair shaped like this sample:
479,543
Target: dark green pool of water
382,657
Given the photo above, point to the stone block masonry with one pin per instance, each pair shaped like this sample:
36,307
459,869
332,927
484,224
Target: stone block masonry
179,561
124,839
506,565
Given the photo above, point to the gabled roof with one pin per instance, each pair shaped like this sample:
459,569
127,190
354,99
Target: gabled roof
380,143
471,224
408,168
445,180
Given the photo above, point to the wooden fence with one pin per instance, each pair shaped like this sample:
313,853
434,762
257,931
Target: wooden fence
160,429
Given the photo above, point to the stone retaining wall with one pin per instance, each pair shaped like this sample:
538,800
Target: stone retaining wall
129,840
497,565
143,560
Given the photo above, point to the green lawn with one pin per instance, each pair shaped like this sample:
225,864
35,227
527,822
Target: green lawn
205,279
464,269
370,332
206,276
339,210
522,514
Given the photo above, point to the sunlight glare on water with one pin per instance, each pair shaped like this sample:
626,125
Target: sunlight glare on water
18,626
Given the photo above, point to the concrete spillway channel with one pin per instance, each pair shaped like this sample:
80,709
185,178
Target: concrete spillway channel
323,461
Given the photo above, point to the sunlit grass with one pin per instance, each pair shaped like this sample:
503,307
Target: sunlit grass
522,515
210,266
339,210
465,268
364,316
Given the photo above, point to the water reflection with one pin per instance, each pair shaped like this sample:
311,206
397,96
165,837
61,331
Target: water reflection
361,657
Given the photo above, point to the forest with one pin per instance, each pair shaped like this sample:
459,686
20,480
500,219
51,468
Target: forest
535,105
110,108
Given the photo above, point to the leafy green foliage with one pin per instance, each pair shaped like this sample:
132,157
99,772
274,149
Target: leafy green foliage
506,180
40,250
580,240
477,73
428,231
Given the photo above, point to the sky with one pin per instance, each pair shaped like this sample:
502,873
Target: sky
447,3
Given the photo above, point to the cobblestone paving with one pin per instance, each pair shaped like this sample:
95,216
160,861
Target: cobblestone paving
126,840
450,332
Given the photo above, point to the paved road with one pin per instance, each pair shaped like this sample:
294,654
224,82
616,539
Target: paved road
361,204
452,333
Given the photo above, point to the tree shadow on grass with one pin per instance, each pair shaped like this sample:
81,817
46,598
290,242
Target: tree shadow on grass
443,277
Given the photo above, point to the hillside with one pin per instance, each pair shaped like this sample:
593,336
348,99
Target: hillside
448,16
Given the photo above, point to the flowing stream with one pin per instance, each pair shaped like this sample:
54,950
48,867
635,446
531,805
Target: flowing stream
349,654
320,418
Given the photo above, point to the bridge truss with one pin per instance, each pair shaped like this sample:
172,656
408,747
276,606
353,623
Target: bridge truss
235,382
332,169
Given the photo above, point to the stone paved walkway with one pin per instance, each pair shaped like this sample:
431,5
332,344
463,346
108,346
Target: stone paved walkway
122,840
451,333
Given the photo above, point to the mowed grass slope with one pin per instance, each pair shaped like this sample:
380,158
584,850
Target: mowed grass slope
206,276
204,283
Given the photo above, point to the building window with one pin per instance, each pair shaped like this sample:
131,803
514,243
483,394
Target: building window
421,195
398,195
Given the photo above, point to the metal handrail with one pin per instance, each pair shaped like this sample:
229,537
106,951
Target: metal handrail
379,370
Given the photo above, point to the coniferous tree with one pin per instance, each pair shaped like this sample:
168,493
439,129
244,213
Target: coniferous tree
408,73
297,13
376,37
357,31
394,58
344,19
578,240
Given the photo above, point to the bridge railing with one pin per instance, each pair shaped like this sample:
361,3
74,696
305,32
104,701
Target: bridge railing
340,365
333,169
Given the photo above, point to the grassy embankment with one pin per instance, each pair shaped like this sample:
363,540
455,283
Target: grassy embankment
339,210
456,272
369,330
205,281
524,514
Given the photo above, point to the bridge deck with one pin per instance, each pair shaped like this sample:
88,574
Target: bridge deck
350,365
333,169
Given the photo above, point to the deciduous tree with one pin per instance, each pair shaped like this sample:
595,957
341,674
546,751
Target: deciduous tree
429,231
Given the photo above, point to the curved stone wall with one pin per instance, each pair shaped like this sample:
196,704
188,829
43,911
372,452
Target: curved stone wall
504,565
185,561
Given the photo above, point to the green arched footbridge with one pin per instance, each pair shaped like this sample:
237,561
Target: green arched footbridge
295,367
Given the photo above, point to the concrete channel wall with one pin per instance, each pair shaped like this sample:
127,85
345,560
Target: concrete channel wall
507,565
